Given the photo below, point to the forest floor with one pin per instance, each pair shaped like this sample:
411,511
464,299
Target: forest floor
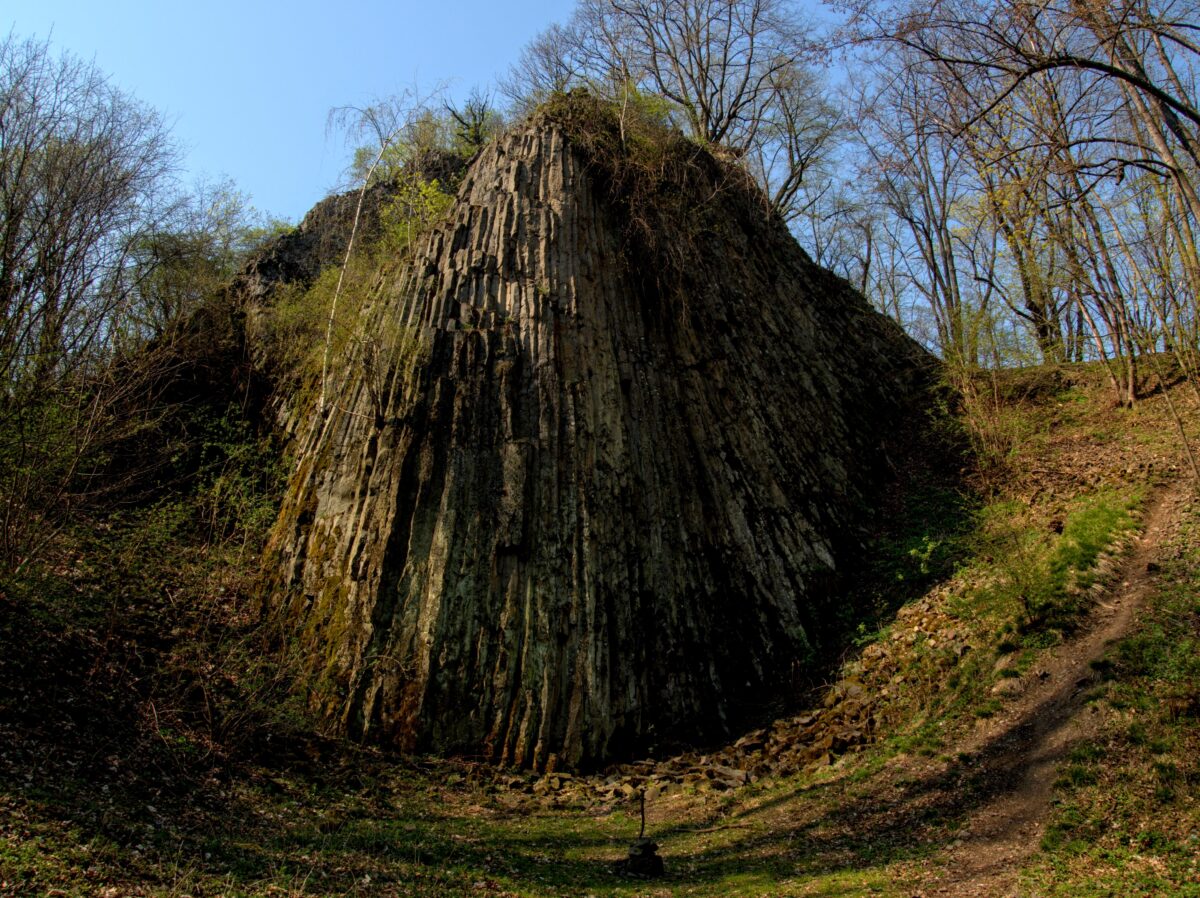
1023,747
1019,715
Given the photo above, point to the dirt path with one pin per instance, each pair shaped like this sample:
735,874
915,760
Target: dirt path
1027,741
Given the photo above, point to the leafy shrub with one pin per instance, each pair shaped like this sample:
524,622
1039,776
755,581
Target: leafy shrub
300,332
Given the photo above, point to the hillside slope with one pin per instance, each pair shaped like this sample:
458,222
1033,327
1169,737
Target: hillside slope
974,744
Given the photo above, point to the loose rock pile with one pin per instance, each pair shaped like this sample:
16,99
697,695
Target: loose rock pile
844,721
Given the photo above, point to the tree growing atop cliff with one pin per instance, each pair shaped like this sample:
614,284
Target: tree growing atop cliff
733,72
476,121
391,128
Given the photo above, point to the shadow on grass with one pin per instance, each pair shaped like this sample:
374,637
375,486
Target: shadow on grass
875,828
387,821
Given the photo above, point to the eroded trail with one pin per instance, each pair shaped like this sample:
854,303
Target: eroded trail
1020,749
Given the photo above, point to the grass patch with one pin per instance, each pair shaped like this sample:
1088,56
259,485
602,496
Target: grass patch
1039,582
1126,818
989,708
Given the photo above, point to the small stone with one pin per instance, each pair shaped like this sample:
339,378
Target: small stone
1007,686
752,741
733,775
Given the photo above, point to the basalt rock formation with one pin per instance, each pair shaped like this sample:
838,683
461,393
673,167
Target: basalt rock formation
606,504
298,256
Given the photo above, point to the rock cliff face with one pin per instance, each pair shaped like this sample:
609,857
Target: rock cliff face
606,504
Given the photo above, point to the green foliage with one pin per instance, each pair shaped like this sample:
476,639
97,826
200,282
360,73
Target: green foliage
240,480
1014,588
391,163
1089,531
1053,586
1045,578
645,114
67,428
476,122
182,265
926,536
111,587
424,134
996,427
415,207
298,322
988,708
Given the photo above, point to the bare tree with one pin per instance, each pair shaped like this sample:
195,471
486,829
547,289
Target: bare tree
795,140
1141,55
385,125
476,121
84,177
1068,114
183,262
918,176
83,171
726,65
733,72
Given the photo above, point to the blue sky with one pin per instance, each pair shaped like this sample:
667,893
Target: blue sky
247,86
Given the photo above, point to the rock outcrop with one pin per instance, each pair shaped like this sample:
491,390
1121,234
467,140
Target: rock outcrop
607,504
297,256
